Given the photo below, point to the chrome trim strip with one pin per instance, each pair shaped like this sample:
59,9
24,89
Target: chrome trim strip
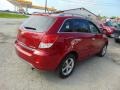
70,19
73,32
62,26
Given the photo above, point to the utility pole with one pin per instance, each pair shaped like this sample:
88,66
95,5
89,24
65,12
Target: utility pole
45,6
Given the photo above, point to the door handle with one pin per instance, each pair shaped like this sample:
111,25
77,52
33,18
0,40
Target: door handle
93,39
75,41
78,39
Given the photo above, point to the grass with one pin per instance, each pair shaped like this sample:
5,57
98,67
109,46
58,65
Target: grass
11,15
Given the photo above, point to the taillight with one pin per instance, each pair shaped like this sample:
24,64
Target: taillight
109,30
48,41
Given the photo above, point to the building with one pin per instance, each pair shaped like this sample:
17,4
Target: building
82,12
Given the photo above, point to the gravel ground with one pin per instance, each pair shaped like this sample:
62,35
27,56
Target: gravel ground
93,74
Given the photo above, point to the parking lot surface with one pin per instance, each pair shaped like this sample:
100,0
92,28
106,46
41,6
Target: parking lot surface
95,73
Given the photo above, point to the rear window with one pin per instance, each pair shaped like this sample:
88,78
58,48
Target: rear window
38,23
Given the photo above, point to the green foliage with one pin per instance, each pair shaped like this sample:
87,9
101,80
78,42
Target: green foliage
113,17
11,15
102,17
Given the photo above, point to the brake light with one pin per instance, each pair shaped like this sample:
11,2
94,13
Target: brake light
108,29
48,41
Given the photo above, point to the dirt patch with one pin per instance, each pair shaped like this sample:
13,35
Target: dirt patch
115,55
2,37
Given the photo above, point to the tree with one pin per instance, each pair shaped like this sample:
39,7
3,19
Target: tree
113,17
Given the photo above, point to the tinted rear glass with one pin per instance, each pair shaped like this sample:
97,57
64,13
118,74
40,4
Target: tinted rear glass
38,23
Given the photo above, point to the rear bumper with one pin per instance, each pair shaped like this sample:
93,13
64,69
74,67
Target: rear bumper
38,59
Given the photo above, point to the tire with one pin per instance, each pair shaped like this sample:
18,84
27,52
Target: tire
110,36
67,66
103,51
116,40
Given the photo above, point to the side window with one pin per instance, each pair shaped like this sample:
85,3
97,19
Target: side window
108,23
67,26
80,26
93,29
75,25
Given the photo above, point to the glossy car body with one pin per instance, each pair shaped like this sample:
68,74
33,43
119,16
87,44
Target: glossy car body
117,36
46,50
117,32
108,30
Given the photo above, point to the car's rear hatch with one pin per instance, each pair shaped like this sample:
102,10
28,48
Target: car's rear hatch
31,31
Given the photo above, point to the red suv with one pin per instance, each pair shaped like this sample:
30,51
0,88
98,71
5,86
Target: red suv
53,42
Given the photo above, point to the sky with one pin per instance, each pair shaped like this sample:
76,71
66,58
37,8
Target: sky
103,7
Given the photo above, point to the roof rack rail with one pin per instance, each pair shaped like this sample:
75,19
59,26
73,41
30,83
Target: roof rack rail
73,14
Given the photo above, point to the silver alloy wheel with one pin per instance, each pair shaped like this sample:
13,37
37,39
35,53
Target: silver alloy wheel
104,50
68,66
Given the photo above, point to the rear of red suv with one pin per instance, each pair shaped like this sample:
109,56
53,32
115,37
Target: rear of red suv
58,42
35,45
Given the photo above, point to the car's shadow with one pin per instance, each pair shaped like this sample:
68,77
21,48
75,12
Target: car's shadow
88,71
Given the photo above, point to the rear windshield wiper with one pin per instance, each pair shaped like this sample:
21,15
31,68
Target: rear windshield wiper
30,28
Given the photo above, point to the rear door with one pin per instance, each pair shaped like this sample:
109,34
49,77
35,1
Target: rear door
76,34
80,26
97,38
